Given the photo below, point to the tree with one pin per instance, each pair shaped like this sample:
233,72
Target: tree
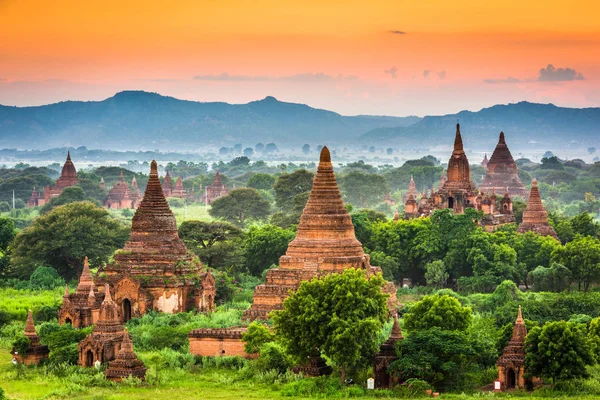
436,275
363,221
248,151
364,189
555,278
444,312
69,195
239,205
62,238
551,163
287,186
339,315
261,181
256,336
264,245
594,337
216,243
306,148
582,257
560,350
45,278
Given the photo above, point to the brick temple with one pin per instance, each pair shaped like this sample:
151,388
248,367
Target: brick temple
155,270
82,307
122,195
37,351
325,243
502,173
535,217
215,190
68,177
386,356
126,364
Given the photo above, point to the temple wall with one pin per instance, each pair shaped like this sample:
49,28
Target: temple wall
213,347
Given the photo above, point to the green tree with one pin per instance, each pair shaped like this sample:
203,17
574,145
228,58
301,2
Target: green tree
62,238
444,312
436,275
551,163
338,314
582,257
7,234
239,206
264,245
594,337
363,221
69,195
555,278
287,186
364,189
256,336
560,350
261,181
216,243
45,278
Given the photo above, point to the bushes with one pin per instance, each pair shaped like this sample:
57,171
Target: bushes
273,358
45,278
256,336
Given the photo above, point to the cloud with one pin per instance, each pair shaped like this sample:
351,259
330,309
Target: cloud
398,32
552,74
426,74
302,77
510,79
441,75
392,71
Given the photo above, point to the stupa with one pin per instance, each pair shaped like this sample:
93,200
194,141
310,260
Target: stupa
386,356
68,177
155,270
126,363
82,307
216,189
511,364
502,172
121,196
36,351
325,243
535,217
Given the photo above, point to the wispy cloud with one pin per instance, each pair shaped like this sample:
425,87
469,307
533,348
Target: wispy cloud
302,77
396,32
552,74
392,71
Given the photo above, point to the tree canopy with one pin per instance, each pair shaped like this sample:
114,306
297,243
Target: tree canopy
239,206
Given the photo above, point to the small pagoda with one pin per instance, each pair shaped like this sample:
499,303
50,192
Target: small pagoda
502,172
82,307
121,196
68,177
325,243
511,364
216,189
386,356
535,217
126,363
155,270
36,351
179,191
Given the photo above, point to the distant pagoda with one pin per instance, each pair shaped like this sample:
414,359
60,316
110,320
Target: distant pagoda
535,217
68,177
36,351
325,243
502,172
126,363
511,364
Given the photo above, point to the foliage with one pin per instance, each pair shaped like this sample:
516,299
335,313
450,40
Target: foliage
582,257
444,312
62,238
69,195
364,189
556,278
338,314
256,336
435,274
240,205
216,243
560,350
21,344
264,245
261,181
363,221
45,278
288,186
273,357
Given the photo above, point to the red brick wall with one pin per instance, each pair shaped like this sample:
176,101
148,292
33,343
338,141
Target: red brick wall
217,347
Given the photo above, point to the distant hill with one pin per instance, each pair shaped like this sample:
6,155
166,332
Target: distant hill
547,125
141,120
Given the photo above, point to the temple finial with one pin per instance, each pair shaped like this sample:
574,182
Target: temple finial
520,317
501,139
107,297
325,155
458,143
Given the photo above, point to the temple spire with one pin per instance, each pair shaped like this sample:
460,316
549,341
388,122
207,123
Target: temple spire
68,155
458,143
396,331
501,139
85,280
29,325
121,178
520,320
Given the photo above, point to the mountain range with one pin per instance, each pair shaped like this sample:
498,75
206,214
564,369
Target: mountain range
138,120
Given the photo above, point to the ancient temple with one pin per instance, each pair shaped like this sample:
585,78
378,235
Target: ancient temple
68,177
179,191
167,185
104,342
502,172
216,189
387,199
535,217
458,192
36,351
412,190
485,161
154,270
386,356
325,243
121,196
102,184
126,363
82,307
511,364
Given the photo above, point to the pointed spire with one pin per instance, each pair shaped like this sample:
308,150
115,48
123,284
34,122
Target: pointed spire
520,320
29,325
68,155
501,138
397,215
86,279
121,178
458,143
107,297
325,155
396,331
126,344
66,294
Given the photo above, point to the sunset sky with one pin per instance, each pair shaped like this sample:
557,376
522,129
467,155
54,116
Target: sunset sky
395,57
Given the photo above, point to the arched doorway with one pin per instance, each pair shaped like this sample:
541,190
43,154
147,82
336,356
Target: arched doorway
89,358
506,209
451,202
68,321
126,310
511,379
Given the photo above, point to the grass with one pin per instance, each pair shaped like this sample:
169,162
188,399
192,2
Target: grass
16,302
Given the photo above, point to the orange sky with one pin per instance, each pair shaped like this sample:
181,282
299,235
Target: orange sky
339,55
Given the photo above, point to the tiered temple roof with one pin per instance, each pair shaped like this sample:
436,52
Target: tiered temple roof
325,243
511,364
216,189
36,352
535,217
81,307
126,363
502,172
459,171
121,196
68,177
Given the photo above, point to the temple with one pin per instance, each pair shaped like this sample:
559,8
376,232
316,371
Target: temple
179,191
167,185
217,342
104,342
386,356
325,243
155,270
511,364
485,161
82,307
535,217
122,196
68,177
215,190
457,192
36,351
502,172
126,364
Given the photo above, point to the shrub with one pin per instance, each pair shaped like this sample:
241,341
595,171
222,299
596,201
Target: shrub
176,202
68,354
273,357
2,396
21,344
256,336
46,313
45,278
